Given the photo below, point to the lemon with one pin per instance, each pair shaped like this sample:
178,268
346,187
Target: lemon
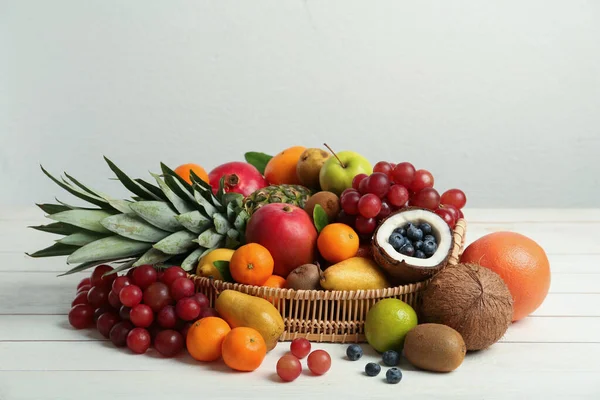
387,324
207,268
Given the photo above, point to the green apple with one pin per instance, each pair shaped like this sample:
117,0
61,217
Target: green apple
337,173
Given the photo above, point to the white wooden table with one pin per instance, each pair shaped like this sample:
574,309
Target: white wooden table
553,354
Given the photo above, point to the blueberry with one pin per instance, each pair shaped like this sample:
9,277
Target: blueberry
429,248
407,250
401,231
393,375
429,238
420,254
426,228
372,369
414,233
354,352
418,245
391,358
397,241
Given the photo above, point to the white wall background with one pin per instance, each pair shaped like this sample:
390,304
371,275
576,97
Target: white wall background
500,98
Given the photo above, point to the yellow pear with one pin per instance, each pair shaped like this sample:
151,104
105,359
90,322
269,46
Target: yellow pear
355,273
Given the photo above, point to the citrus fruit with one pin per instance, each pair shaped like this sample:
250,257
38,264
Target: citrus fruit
251,264
244,349
184,172
338,242
520,262
387,323
207,268
274,281
282,167
205,338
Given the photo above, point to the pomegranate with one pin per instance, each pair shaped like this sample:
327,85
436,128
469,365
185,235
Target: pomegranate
287,232
240,177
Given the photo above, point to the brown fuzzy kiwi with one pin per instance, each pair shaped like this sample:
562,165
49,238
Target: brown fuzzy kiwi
328,200
434,347
304,277
473,300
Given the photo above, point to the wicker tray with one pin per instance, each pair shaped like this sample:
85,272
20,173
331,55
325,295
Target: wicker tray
329,316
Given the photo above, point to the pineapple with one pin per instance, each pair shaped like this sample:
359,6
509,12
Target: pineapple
174,223
290,194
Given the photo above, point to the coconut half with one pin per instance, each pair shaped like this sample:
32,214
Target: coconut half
405,269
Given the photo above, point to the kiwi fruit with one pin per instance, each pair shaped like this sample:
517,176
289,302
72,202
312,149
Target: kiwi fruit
434,347
309,166
304,277
328,200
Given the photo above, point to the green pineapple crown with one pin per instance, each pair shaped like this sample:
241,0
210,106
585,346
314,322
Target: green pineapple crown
174,223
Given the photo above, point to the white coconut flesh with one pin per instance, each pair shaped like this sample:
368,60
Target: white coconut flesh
416,217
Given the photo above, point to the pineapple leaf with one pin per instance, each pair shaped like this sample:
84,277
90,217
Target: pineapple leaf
222,225
208,208
168,171
120,205
129,183
200,182
240,220
111,247
258,160
52,208
57,249
76,182
236,198
59,228
157,213
194,221
231,212
77,193
152,189
221,191
191,260
133,227
176,243
180,205
84,266
86,219
177,188
209,238
71,207
233,239
123,267
80,238
152,257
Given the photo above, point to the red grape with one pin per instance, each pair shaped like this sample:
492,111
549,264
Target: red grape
383,167
113,299
349,203
364,225
118,333
98,280
138,340
124,313
84,288
182,287
187,309
105,323
453,210
423,179
157,294
385,210
98,296
345,218
202,300
454,197
363,188
172,273
346,191
141,315
289,368
403,174
357,180
319,362
101,310
120,283
81,316
166,317
130,295
208,312
81,298
169,342
369,205
300,347
428,198
460,214
447,216
397,196
378,184
184,330
143,276
83,282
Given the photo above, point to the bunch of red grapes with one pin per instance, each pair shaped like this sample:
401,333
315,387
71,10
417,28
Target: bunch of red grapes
140,309
391,187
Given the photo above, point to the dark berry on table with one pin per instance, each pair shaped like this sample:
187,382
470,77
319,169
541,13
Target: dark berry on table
391,358
429,238
397,241
400,231
429,248
372,369
354,352
418,244
419,254
414,233
426,228
407,250
393,375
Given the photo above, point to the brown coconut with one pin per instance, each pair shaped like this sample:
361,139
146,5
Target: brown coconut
473,300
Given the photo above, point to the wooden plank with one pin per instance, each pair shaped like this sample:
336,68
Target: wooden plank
529,330
570,305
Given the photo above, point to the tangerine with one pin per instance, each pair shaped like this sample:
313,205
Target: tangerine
244,349
338,242
281,168
205,338
251,264
274,281
521,263
184,172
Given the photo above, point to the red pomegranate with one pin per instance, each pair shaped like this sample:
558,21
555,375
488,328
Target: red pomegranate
240,177
287,232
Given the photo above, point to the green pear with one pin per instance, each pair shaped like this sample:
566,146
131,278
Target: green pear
337,173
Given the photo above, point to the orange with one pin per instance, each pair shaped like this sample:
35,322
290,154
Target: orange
244,349
205,338
520,262
184,172
282,167
338,242
274,281
251,264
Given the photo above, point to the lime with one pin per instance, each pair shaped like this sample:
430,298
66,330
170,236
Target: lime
387,323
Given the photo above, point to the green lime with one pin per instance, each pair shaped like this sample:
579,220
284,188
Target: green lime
387,323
